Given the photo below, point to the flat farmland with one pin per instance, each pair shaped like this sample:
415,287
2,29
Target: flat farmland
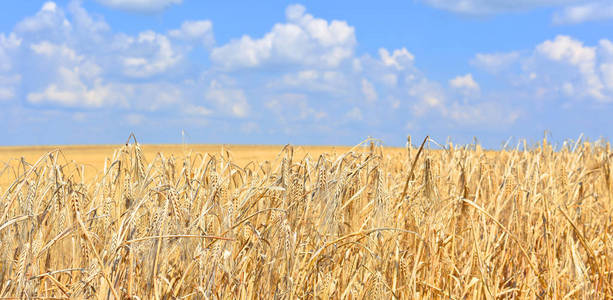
95,155
92,158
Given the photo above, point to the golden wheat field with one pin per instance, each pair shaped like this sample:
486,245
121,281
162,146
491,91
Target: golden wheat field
368,222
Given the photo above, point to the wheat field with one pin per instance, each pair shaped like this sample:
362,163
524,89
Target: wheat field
367,222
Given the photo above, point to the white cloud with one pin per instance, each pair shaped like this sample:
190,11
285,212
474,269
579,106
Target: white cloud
368,89
152,54
77,80
85,21
303,40
494,62
10,41
399,59
433,99
605,49
70,90
229,100
143,56
145,6
303,72
560,68
565,50
592,11
465,83
48,17
429,95
49,6
51,50
300,70
80,62
200,31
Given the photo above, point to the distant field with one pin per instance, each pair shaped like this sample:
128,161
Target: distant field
94,156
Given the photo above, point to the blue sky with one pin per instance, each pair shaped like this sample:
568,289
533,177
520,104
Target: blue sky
316,72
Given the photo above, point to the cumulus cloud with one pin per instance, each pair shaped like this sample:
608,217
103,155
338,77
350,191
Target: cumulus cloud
565,68
142,6
432,98
152,53
147,54
230,100
198,31
303,40
76,82
50,50
302,53
303,73
568,51
48,17
428,95
399,59
77,61
88,26
70,90
466,83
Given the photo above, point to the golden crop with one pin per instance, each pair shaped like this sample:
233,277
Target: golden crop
364,224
